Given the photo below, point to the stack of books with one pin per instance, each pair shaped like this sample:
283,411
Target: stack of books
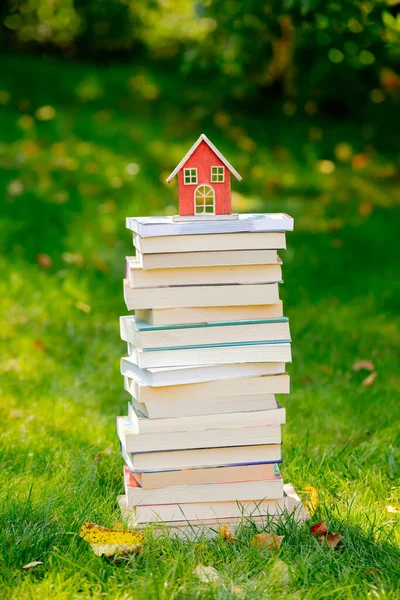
207,349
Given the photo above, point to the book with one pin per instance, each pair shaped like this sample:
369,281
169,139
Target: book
189,528
216,406
162,226
160,407
144,425
219,492
200,511
145,336
207,314
200,295
204,457
201,373
136,276
221,474
198,392
185,440
219,258
210,242
212,353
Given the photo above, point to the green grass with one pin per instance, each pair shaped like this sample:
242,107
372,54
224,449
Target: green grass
66,193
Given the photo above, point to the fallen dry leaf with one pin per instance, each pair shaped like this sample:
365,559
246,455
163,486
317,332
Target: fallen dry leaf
39,346
392,509
333,540
270,541
225,531
32,565
97,534
369,380
206,574
44,260
312,503
372,571
319,529
363,364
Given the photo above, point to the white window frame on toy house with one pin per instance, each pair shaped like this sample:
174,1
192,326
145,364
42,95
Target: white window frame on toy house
190,177
204,201
216,173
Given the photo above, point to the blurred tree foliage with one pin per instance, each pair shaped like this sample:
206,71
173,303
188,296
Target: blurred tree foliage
331,56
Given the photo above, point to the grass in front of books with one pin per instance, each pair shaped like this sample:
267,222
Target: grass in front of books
70,154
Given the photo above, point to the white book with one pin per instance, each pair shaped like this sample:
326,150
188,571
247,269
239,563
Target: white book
210,242
222,258
160,226
145,336
132,441
159,408
204,457
218,492
138,277
216,354
207,314
195,511
229,404
201,373
200,295
194,392
257,418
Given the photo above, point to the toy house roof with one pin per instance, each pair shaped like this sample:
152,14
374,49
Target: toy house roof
204,138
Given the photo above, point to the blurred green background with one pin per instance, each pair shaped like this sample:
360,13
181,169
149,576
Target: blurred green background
99,102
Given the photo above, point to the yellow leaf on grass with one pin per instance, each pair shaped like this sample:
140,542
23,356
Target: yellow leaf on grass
267,540
393,509
311,504
96,534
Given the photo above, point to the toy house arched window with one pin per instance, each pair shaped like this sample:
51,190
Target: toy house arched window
204,200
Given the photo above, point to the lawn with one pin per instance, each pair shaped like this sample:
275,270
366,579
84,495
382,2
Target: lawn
82,147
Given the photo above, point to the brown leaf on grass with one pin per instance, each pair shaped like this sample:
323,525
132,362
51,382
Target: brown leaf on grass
270,541
369,380
392,509
319,529
44,260
363,364
38,345
372,571
226,533
365,208
311,504
206,574
109,550
32,565
334,540
105,452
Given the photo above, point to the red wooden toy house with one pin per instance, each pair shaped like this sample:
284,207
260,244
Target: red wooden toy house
204,181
